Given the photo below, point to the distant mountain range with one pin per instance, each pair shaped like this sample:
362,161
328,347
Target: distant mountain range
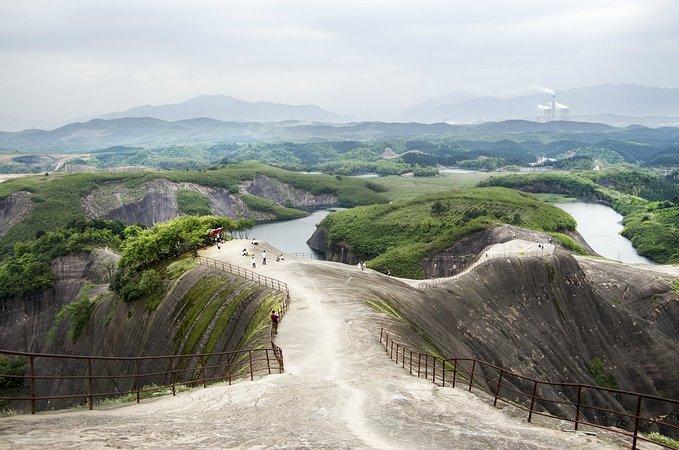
223,107
150,132
605,101
618,105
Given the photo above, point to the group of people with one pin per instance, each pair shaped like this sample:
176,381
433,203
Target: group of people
253,260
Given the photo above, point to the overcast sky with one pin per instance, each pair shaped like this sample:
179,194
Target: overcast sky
64,59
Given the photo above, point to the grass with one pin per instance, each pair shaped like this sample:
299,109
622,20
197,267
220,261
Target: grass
662,439
397,236
266,205
554,198
570,243
596,369
177,268
403,188
384,306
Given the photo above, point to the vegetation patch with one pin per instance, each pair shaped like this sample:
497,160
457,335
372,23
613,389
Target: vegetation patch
570,243
266,205
76,314
177,268
662,439
193,203
595,367
384,306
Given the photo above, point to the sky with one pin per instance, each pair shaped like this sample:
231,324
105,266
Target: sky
70,59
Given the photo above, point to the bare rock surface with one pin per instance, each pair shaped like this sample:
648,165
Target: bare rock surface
339,389
284,194
13,209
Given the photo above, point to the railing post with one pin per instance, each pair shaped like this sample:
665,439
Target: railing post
454,370
471,378
636,422
32,366
250,357
419,364
497,389
411,362
433,370
397,353
89,382
443,373
381,333
532,400
426,365
172,376
577,407
268,364
202,371
391,354
403,358
138,387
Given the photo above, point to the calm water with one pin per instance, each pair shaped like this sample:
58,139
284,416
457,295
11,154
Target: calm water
600,226
290,236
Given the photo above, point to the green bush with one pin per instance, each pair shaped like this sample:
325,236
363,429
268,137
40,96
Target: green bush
595,367
11,366
76,314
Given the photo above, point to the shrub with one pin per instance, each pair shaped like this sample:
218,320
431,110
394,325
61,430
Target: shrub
595,367
11,366
76,314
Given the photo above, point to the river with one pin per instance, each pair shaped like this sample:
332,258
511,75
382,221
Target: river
600,225
290,236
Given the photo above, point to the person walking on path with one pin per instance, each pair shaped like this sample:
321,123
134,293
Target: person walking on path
264,257
254,263
275,318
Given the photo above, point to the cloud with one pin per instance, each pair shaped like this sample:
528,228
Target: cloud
71,58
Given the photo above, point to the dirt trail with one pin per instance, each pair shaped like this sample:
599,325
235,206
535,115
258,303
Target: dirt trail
339,389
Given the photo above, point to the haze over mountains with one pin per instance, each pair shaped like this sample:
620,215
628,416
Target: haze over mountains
618,105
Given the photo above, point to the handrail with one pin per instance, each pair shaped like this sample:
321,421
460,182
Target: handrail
236,360
245,273
306,255
450,371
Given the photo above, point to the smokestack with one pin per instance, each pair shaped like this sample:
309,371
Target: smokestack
554,106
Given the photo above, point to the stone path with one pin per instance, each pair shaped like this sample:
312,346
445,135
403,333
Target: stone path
339,389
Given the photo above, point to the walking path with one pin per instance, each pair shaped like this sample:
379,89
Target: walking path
339,388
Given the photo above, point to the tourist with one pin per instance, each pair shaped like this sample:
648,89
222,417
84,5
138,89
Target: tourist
264,257
245,252
254,263
275,318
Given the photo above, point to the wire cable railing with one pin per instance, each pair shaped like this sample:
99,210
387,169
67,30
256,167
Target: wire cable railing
526,393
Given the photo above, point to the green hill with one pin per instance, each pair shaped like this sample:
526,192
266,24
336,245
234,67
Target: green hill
397,236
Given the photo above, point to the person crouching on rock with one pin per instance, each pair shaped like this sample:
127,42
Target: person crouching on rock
275,318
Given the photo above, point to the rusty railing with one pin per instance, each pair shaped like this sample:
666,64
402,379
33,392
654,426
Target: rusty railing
525,392
246,273
116,372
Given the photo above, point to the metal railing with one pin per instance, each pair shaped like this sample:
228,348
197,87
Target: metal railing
305,255
246,273
525,392
482,259
91,372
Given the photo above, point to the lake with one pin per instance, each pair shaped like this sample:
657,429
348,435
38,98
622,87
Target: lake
600,225
290,236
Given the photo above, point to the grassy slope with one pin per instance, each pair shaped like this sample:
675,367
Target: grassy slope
651,226
58,198
397,236
406,188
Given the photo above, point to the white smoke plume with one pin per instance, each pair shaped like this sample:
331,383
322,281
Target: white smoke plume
537,89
